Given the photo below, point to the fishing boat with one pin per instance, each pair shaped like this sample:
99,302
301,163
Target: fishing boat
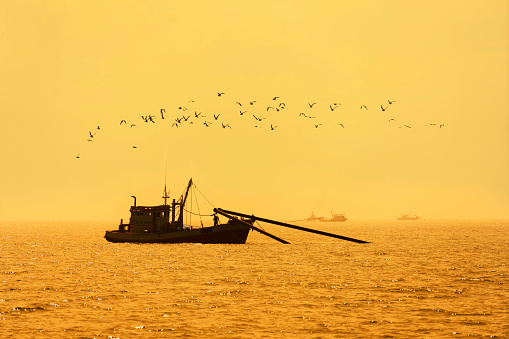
312,217
165,224
409,216
335,218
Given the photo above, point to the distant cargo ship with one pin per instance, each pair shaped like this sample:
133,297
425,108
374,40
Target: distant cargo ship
409,217
335,218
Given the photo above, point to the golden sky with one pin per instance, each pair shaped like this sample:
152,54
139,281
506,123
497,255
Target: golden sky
70,66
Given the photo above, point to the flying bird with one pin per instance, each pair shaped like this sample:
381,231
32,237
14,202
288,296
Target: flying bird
275,98
219,94
238,103
341,125
216,116
252,102
311,105
364,106
390,102
162,111
242,112
224,126
272,127
383,108
123,121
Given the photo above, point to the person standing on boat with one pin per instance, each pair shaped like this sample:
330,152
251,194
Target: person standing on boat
216,219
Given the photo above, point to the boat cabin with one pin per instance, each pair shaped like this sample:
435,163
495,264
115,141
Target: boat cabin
149,219
156,219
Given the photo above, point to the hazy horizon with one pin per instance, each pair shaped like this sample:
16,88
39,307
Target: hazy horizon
440,150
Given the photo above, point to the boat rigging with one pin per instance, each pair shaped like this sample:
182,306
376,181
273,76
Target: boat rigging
165,224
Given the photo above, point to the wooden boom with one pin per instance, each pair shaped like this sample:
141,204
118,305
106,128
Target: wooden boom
252,217
251,226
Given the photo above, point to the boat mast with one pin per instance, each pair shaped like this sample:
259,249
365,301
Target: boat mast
183,202
165,196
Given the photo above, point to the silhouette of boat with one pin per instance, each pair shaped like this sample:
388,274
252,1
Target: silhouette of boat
335,218
409,217
165,224
312,217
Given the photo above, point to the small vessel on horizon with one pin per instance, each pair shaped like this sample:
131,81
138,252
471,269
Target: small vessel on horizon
408,216
336,217
312,217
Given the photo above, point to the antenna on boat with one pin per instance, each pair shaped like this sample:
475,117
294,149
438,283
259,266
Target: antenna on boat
166,196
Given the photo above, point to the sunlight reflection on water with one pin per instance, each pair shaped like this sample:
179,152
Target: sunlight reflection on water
420,279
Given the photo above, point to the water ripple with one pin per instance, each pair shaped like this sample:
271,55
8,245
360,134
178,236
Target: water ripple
403,284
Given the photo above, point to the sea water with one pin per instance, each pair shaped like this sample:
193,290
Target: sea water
421,279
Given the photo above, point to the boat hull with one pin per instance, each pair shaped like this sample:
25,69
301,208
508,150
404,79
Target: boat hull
229,233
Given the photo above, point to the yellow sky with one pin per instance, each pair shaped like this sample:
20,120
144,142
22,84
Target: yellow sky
70,66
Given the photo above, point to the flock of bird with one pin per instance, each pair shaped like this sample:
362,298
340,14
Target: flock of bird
191,116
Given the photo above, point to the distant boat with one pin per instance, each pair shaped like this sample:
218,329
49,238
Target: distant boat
312,217
409,217
335,218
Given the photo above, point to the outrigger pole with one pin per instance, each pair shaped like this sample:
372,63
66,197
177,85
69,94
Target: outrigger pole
218,210
252,217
